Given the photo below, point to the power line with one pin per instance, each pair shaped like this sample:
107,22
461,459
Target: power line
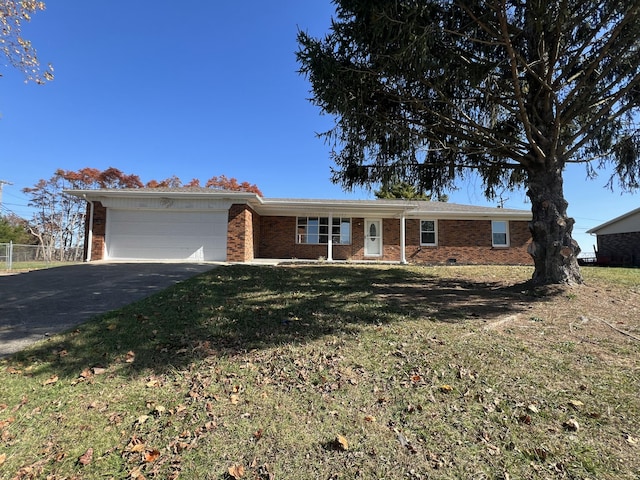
2,184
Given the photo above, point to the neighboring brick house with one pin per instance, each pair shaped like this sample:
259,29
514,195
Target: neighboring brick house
618,240
199,224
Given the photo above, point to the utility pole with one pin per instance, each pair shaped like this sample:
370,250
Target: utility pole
2,184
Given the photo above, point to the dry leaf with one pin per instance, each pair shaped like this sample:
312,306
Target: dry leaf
51,380
533,409
86,458
446,388
3,458
236,471
98,370
8,421
575,404
341,443
526,419
138,448
571,425
369,418
151,456
141,419
632,440
234,399
257,435
130,357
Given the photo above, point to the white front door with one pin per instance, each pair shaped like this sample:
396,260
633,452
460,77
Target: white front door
373,238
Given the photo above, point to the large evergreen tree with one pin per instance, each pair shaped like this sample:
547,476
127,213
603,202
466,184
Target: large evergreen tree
429,90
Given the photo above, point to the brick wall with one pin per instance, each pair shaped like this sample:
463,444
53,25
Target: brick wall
99,230
243,231
466,241
619,249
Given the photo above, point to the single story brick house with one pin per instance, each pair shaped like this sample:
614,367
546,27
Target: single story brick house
618,240
202,224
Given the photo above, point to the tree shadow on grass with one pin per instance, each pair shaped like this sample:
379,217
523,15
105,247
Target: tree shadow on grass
235,309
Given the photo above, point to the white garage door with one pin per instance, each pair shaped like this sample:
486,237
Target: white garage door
152,235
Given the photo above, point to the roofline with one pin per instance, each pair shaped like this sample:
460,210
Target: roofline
95,194
611,222
282,206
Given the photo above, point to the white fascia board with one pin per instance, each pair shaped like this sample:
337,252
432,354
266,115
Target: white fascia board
98,195
611,222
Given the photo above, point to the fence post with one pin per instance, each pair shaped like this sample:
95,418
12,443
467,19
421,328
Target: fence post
10,256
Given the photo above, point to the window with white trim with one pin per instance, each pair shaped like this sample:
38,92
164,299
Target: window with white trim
315,230
499,233
428,232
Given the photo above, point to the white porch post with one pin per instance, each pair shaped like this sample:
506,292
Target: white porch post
90,235
403,256
330,242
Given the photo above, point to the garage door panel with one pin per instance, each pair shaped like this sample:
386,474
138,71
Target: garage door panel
153,235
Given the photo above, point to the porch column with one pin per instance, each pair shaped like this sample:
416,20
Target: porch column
403,257
330,241
89,239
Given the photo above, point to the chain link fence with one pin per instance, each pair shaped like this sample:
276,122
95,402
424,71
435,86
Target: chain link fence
27,257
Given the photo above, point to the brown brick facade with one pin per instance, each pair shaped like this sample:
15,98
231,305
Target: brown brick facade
99,231
243,231
621,249
465,241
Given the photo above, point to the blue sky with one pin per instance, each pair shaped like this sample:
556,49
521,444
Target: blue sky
196,89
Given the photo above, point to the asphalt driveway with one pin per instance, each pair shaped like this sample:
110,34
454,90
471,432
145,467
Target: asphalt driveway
37,304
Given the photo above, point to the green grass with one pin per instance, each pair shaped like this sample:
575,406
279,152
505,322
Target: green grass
28,266
264,367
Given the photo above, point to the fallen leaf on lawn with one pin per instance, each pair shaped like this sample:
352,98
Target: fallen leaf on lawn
151,456
159,410
138,448
141,419
533,409
154,382
341,443
130,357
87,457
3,458
98,370
13,371
632,440
575,404
8,421
51,380
257,435
234,399
446,388
22,403
236,471
492,449
526,419
369,418
571,425
86,373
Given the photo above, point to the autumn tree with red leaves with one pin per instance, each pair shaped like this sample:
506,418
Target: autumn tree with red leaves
231,184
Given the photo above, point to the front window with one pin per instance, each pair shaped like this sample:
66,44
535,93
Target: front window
315,230
428,232
499,234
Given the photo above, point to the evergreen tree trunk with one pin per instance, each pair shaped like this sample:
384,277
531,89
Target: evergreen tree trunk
554,251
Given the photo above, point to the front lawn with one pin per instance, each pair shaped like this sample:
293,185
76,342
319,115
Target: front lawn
338,372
